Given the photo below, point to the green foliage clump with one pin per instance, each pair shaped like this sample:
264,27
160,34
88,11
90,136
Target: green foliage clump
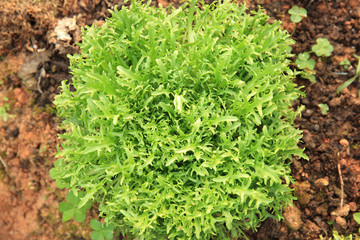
180,125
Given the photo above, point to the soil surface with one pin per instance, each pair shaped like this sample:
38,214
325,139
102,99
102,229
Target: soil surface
36,36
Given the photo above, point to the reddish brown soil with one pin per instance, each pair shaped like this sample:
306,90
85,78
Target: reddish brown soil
28,140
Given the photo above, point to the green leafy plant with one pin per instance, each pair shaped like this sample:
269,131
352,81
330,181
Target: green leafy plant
304,62
324,108
70,209
297,14
101,230
322,47
345,63
180,125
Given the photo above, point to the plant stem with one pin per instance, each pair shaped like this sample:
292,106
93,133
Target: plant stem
293,30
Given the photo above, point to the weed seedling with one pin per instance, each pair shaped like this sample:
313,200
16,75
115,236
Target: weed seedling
70,208
305,63
324,108
101,230
345,63
5,109
297,14
351,80
322,48
3,114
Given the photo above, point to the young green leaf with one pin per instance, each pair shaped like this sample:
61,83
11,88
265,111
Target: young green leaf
324,108
345,63
67,215
72,199
97,235
357,217
95,224
79,215
307,74
64,206
297,14
322,47
101,230
70,208
303,61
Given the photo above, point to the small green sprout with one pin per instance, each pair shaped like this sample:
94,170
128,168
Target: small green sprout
43,149
309,74
297,14
345,63
303,61
70,208
5,109
351,80
324,108
101,230
57,172
322,47
3,114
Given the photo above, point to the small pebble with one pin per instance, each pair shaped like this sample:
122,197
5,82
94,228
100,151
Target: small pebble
344,142
335,102
297,164
321,182
308,113
305,101
342,211
343,161
341,221
315,127
353,206
292,217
